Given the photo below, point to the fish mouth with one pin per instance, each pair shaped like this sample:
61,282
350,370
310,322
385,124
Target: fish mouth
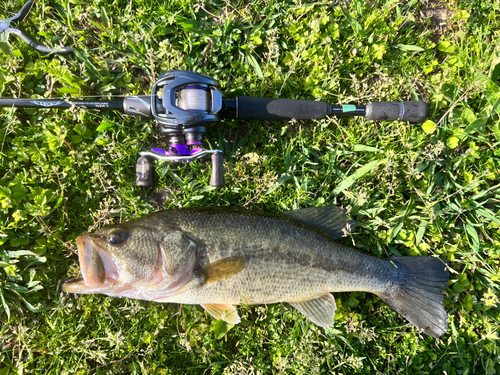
97,267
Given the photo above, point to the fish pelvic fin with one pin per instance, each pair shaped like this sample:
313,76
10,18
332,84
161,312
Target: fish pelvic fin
330,219
227,313
222,269
418,294
320,311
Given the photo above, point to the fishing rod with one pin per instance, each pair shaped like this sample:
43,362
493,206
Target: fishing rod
184,102
5,27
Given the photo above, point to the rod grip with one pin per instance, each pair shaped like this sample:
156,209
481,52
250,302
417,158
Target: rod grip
252,108
414,112
217,179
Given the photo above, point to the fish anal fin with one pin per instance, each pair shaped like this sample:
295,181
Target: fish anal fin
223,269
227,313
320,311
330,219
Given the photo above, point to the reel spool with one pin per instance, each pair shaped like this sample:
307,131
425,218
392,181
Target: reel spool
182,101
194,98
188,99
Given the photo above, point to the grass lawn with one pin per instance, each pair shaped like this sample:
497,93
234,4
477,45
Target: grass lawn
421,189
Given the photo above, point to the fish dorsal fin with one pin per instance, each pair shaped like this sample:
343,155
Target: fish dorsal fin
330,219
320,311
226,313
222,269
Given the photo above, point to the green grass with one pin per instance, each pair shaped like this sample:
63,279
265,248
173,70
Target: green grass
426,189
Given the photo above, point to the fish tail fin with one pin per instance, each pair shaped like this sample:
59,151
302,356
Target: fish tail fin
418,294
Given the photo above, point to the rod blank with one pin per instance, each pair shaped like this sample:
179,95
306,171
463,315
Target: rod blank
113,105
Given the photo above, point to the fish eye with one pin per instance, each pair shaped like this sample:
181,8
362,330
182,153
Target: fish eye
117,237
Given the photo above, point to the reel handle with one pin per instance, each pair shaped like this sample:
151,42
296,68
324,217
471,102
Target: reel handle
144,166
217,179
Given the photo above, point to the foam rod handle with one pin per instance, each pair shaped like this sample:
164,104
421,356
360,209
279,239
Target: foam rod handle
250,108
217,179
414,112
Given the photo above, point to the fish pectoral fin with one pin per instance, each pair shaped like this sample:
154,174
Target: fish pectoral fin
330,219
222,269
320,311
227,313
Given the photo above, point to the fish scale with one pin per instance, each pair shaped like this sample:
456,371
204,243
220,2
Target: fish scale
286,260
222,257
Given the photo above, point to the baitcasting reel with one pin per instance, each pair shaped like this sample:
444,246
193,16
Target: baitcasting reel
183,103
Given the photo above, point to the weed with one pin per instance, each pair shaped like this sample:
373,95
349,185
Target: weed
430,189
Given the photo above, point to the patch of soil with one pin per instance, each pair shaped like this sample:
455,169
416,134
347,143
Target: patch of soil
440,19
159,199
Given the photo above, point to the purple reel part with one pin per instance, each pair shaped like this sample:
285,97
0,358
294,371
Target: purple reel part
179,150
193,145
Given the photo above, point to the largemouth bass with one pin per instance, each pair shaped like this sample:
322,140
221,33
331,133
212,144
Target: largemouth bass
222,257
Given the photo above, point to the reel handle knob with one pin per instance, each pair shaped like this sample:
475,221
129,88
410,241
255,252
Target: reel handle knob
144,172
217,179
